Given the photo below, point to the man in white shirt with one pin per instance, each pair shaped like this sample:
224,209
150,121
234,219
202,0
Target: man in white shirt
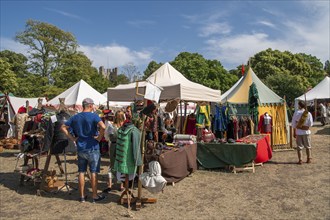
302,120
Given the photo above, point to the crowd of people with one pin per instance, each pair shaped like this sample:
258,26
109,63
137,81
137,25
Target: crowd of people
86,129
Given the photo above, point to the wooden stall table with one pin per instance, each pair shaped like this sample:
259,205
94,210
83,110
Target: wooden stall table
178,163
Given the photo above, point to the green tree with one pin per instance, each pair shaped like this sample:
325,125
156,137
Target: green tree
209,73
73,68
8,79
17,61
48,45
121,79
152,67
291,86
327,67
28,84
276,69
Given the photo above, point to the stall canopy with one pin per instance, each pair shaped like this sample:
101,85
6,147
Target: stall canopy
75,95
238,97
116,105
14,103
320,91
239,93
175,86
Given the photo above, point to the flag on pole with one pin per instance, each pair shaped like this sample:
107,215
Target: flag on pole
243,70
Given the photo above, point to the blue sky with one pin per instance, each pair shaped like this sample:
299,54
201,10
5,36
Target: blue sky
114,33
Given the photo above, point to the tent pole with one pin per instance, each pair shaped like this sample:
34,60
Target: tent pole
3,105
315,109
185,115
181,123
142,153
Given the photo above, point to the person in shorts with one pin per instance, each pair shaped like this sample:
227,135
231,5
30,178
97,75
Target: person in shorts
302,120
88,130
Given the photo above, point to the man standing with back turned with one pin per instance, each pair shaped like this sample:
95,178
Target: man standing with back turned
85,129
302,120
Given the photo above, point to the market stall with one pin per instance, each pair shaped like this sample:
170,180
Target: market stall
251,98
177,163
175,87
254,148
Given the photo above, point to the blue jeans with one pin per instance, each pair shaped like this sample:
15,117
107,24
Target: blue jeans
90,157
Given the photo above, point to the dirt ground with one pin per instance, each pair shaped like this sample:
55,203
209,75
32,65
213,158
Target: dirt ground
280,189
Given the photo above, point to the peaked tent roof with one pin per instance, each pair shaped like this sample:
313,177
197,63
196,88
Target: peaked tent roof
239,92
175,85
320,91
76,93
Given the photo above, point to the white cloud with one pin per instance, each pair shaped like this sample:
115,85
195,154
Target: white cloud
67,14
235,50
115,55
109,56
214,28
210,23
267,23
10,44
304,34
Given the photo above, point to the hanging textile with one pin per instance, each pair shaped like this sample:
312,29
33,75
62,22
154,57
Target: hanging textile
203,116
153,180
220,118
254,104
128,153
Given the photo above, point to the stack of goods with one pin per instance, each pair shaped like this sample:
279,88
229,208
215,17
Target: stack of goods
9,143
184,139
207,136
252,138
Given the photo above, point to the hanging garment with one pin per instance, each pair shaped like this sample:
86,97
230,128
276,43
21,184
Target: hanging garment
128,152
203,116
153,180
191,125
265,124
220,119
19,121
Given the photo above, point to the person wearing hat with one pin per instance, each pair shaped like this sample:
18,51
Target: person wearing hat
85,126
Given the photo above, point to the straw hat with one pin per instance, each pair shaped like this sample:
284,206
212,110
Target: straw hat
171,105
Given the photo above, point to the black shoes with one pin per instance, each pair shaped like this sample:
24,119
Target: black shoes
99,198
83,199
107,190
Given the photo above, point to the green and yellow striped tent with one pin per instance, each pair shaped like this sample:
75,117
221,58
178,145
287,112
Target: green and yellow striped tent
238,97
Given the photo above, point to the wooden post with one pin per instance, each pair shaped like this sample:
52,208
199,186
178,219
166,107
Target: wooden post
181,123
290,136
142,156
185,116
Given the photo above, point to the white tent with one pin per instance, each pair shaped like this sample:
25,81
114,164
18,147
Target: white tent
175,86
14,103
320,91
75,95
